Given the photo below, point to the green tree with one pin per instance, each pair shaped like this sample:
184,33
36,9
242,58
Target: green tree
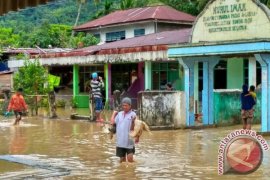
32,77
82,40
266,2
127,4
188,6
201,5
155,2
81,3
107,8
8,38
39,37
55,35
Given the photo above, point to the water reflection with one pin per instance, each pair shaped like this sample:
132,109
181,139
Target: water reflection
86,149
18,140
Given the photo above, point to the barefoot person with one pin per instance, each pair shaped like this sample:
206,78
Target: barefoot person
247,111
96,86
18,105
124,120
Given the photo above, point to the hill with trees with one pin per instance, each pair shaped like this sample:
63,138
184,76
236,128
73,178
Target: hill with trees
51,24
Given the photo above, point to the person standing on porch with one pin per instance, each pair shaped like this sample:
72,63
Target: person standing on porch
247,111
169,87
96,86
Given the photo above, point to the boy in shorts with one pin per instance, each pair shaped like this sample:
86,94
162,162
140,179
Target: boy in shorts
96,86
18,105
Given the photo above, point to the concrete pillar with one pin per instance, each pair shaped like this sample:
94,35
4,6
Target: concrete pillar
252,71
75,80
108,80
208,86
188,64
196,82
264,60
148,74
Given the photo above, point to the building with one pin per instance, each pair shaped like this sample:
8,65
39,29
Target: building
124,24
230,42
224,49
125,62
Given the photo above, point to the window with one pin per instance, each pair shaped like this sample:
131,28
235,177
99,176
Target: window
139,32
220,75
162,73
259,73
122,76
246,62
97,36
115,36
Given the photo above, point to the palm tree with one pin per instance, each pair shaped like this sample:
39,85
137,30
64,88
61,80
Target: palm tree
201,4
266,2
126,4
107,9
81,3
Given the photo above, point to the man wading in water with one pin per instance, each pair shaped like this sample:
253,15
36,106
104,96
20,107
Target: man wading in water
124,120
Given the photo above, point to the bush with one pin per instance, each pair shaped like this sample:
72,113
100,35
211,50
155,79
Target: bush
61,103
74,103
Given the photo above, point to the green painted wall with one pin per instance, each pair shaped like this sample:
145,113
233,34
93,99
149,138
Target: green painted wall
75,80
82,101
106,73
235,73
227,107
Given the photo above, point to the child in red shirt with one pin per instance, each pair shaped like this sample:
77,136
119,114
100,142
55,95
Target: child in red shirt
18,105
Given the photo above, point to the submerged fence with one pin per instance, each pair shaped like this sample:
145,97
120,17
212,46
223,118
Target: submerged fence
34,102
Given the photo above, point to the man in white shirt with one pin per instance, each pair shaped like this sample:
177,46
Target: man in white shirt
124,120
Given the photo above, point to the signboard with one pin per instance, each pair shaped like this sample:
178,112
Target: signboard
226,20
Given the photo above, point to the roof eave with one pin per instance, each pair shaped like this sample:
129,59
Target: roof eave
225,49
133,22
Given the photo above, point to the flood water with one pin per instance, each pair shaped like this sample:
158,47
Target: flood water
71,149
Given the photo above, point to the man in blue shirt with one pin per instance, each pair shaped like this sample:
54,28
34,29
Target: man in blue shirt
247,111
124,120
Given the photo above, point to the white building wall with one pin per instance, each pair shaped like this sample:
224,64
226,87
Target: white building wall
129,29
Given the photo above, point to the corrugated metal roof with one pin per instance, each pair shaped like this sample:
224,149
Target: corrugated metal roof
162,38
160,13
23,51
32,51
150,42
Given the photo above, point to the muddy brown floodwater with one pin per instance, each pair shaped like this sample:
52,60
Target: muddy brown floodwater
71,149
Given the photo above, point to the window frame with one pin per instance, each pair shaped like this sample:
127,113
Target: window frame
139,32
